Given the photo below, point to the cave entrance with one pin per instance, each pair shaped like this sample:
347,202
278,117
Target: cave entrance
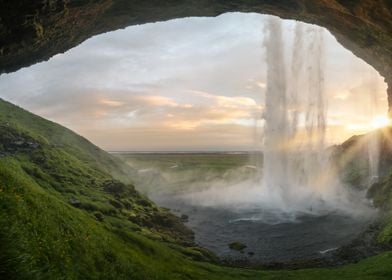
191,92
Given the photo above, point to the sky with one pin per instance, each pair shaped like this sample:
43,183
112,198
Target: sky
192,84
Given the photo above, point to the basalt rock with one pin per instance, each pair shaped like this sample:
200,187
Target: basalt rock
13,142
237,246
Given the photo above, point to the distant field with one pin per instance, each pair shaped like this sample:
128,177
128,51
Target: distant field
182,171
209,161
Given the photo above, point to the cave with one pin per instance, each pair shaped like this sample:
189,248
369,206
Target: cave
35,32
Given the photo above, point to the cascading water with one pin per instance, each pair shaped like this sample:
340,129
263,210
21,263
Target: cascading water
374,156
275,115
374,137
295,160
294,174
295,191
317,170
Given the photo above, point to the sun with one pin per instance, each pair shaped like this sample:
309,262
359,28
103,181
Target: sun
380,121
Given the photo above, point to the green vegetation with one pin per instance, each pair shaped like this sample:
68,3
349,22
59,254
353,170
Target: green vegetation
381,193
173,172
185,161
66,214
352,160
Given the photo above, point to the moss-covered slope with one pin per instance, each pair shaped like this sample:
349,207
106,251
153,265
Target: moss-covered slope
57,191
64,216
352,158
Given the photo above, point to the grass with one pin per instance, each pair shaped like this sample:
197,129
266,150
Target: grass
173,172
65,216
208,161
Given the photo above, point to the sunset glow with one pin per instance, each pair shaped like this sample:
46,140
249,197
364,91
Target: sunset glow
380,121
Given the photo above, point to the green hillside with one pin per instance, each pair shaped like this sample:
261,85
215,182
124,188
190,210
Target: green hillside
69,211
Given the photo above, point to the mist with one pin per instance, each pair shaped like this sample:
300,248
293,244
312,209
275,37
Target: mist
293,174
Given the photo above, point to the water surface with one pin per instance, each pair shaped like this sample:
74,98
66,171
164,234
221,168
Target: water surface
269,236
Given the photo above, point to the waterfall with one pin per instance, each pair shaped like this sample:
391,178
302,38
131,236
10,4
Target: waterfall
297,65
374,137
374,156
295,114
315,157
294,175
275,114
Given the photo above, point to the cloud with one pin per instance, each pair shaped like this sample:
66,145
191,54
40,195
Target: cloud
194,83
158,138
111,103
158,101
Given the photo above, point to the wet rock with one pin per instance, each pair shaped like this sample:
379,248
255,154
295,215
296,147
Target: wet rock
75,202
184,218
117,204
113,187
119,189
145,202
12,142
99,216
237,246
127,204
